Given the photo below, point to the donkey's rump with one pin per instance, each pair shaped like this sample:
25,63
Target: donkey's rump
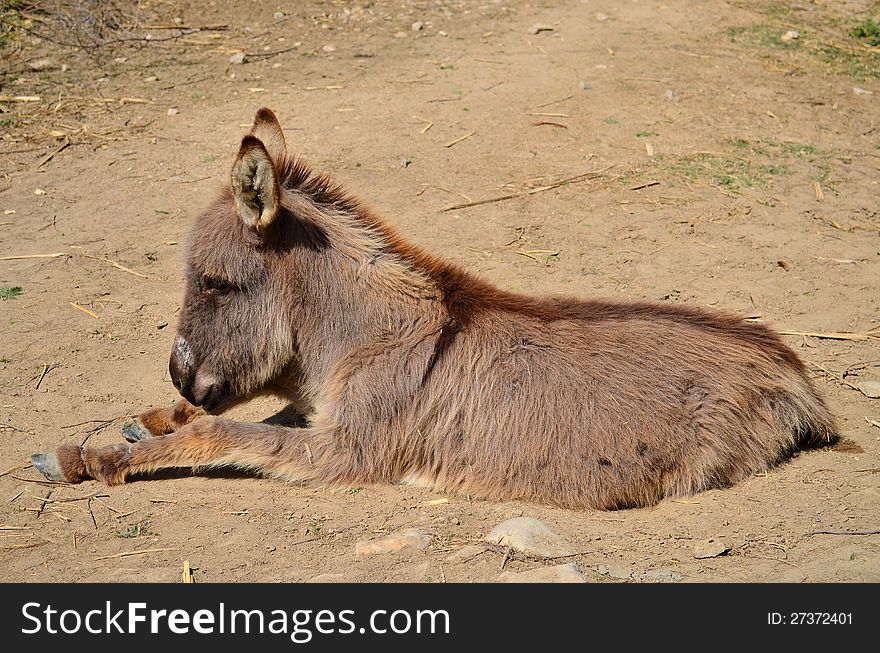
613,413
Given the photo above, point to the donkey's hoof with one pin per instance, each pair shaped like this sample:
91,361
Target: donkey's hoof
48,465
134,431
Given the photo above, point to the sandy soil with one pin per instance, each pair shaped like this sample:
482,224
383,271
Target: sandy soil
739,171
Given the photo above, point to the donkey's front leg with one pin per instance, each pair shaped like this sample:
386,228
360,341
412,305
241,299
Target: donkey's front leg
305,454
160,421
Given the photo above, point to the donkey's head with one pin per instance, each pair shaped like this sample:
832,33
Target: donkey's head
234,334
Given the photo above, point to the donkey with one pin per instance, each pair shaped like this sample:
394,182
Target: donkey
408,369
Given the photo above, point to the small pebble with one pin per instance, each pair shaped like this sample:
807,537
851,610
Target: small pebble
601,17
418,26
41,64
858,90
329,48
710,548
585,86
870,389
173,111
238,57
790,35
278,15
669,94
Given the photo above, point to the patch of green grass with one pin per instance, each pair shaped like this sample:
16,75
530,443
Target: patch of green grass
209,158
4,360
764,34
610,120
10,19
139,529
151,256
10,293
827,36
868,31
776,149
646,134
354,490
11,121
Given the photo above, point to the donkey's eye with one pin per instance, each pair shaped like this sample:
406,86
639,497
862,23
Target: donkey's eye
216,285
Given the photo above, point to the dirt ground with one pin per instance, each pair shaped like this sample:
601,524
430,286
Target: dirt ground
738,170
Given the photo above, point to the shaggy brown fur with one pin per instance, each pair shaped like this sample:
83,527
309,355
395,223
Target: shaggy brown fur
409,369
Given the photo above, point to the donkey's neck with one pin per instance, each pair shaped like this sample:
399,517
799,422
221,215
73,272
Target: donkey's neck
364,293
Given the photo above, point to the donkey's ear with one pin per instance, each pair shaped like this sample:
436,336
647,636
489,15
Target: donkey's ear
268,129
255,185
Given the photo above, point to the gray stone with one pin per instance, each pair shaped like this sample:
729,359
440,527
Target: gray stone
662,576
529,535
710,548
613,571
559,574
869,388
417,26
408,539
237,58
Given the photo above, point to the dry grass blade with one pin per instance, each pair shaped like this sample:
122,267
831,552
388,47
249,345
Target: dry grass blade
25,256
39,164
571,180
873,334
116,265
872,422
84,310
460,139
844,533
187,572
15,469
125,554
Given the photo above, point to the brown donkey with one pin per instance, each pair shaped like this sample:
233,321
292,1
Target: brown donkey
408,369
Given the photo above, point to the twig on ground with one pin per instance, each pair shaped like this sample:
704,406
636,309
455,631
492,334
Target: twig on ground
571,180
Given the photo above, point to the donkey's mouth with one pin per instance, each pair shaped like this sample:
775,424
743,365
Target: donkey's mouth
216,399
209,392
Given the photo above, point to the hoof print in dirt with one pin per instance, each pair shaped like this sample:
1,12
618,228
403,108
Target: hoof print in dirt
134,431
47,464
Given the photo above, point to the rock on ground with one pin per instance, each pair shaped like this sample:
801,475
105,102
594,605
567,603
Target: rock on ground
559,574
408,539
710,548
529,535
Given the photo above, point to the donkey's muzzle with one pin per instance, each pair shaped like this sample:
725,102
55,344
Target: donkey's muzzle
196,384
181,367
